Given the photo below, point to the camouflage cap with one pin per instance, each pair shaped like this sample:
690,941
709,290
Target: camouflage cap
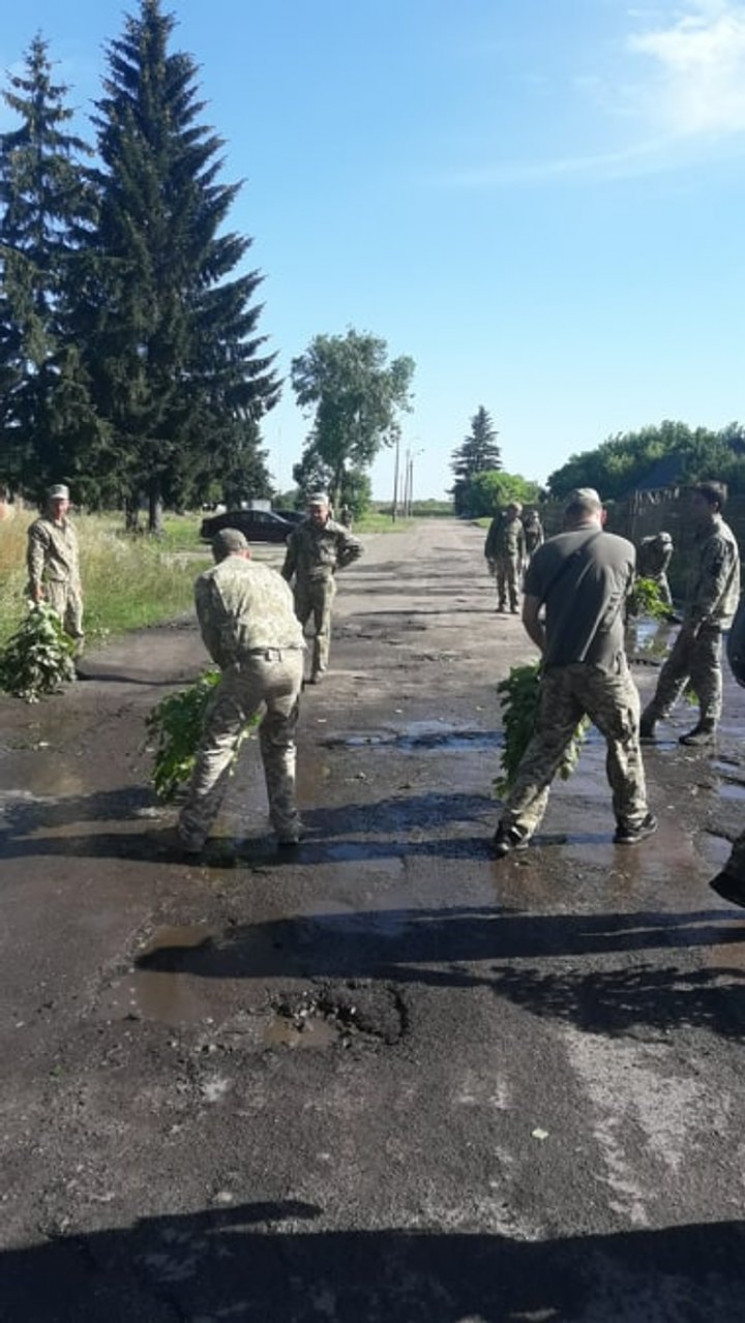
584,496
59,492
227,541
318,498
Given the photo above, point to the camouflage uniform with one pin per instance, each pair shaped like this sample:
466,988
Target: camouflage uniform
612,704
533,530
655,554
582,577
505,550
53,567
314,553
713,593
249,628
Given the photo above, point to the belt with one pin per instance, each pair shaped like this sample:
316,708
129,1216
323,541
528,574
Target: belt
272,654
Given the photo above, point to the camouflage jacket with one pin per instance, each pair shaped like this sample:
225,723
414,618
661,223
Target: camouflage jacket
52,553
242,608
316,552
714,578
506,537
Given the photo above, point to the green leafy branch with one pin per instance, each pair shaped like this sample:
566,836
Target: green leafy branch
39,658
519,696
176,726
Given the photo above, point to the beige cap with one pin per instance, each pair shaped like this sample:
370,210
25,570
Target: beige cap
59,492
318,498
583,496
227,541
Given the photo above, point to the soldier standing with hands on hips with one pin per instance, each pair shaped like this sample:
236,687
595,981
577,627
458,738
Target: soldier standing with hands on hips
316,549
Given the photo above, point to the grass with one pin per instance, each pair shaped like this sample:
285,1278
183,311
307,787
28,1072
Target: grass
128,583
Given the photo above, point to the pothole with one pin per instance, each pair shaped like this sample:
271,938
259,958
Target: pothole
338,1013
419,736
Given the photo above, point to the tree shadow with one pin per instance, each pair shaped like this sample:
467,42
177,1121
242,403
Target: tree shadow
259,1262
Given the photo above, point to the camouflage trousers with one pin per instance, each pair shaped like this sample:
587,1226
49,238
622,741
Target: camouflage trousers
735,865
698,660
272,679
314,597
507,570
67,601
569,693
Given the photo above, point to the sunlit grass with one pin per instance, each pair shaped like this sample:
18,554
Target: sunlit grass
128,582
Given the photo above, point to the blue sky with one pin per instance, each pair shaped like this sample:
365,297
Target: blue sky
540,201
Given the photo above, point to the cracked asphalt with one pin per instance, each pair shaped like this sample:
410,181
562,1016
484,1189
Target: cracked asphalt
390,1079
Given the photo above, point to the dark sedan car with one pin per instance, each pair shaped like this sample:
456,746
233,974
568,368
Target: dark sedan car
256,525
292,516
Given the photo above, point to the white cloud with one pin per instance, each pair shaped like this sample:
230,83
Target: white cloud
698,85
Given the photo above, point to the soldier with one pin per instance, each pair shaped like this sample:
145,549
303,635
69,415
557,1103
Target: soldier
582,577
711,602
505,550
53,570
346,516
533,529
316,549
655,554
249,628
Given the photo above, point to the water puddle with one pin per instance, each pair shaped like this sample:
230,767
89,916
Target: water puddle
164,993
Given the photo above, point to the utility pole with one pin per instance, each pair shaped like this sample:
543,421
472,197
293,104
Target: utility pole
394,507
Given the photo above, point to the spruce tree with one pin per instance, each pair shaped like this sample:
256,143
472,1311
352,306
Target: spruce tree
45,414
171,341
478,453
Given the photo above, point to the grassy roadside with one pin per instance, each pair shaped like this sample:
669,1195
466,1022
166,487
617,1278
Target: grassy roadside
128,582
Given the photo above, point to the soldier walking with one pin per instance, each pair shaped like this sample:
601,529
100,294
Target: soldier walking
53,566
533,529
250,630
316,549
711,602
653,559
582,577
505,551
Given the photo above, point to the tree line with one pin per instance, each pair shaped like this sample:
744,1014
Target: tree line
132,364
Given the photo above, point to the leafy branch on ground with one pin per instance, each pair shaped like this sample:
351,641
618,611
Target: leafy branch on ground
39,658
519,696
176,726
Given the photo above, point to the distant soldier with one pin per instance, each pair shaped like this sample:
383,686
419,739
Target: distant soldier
711,601
533,529
250,630
346,516
53,569
505,551
316,549
654,556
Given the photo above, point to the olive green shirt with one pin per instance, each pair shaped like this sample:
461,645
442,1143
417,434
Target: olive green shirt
583,578
316,551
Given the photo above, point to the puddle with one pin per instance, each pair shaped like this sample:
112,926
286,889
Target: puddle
339,1013
308,1032
164,994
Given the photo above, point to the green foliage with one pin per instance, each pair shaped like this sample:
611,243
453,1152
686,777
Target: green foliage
355,394
645,599
623,461
176,726
38,659
519,696
478,453
492,490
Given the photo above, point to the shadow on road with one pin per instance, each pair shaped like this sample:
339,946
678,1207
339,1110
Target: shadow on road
450,948
242,1263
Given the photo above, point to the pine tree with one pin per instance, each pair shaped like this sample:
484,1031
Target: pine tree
45,413
478,453
179,369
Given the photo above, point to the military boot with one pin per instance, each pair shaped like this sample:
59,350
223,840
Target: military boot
702,734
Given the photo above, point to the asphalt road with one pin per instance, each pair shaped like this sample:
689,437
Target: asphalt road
390,1080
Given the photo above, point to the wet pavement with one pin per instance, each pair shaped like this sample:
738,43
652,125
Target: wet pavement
387,1078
